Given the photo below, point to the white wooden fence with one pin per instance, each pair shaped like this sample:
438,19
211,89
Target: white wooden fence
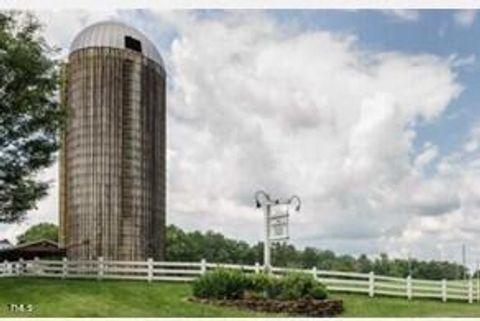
367,283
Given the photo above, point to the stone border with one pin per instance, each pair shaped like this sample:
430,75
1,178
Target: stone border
304,307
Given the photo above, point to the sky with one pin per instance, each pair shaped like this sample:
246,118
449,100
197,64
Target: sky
370,116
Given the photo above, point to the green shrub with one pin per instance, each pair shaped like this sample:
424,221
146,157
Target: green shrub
275,288
297,286
233,284
259,282
319,292
221,284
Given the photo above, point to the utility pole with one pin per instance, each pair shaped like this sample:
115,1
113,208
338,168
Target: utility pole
464,261
280,221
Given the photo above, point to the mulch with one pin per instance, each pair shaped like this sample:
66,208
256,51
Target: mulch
304,307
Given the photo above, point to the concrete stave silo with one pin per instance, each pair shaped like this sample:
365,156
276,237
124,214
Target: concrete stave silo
112,173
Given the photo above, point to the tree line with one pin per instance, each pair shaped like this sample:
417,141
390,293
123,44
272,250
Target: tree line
215,247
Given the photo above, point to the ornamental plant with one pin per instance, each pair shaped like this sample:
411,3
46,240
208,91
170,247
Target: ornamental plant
221,284
233,284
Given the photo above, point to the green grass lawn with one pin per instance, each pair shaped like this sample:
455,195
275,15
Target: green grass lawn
82,298
79,298
363,306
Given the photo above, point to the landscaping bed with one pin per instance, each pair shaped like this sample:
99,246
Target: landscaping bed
301,307
293,294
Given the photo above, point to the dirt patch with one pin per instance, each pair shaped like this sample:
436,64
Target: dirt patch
311,308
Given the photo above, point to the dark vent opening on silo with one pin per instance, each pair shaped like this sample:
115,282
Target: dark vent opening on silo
132,43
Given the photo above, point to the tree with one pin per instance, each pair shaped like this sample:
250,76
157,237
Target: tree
309,257
42,231
345,263
30,114
326,260
363,265
179,247
382,264
285,255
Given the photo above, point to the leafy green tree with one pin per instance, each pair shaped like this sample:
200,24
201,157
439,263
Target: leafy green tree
285,255
30,114
399,268
256,253
178,245
326,260
381,265
363,264
310,257
38,232
345,263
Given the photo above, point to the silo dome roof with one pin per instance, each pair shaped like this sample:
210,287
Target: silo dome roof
112,34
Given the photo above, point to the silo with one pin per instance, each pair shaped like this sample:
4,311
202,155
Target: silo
112,160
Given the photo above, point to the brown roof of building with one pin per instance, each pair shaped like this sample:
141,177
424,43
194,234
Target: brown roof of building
30,250
5,241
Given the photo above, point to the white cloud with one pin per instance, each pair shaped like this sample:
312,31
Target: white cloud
306,113
465,18
404,14
467,61
473,140
429,153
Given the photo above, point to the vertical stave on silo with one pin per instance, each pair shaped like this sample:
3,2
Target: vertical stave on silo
112,170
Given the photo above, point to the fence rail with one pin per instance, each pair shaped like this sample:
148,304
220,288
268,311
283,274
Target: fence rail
335,281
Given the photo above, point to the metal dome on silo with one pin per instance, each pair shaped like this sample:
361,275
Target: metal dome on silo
113,34
112,161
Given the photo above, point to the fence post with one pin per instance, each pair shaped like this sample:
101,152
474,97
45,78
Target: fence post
150,269
100,267
478,289
444,290
5,267
470,291
257,267
314,272
371,284
409,287
36,266
203,266
20,266
64,268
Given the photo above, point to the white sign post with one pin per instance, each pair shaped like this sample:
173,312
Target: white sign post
276,222
266,244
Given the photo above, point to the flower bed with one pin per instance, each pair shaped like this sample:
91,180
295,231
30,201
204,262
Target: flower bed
302,307
295,293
